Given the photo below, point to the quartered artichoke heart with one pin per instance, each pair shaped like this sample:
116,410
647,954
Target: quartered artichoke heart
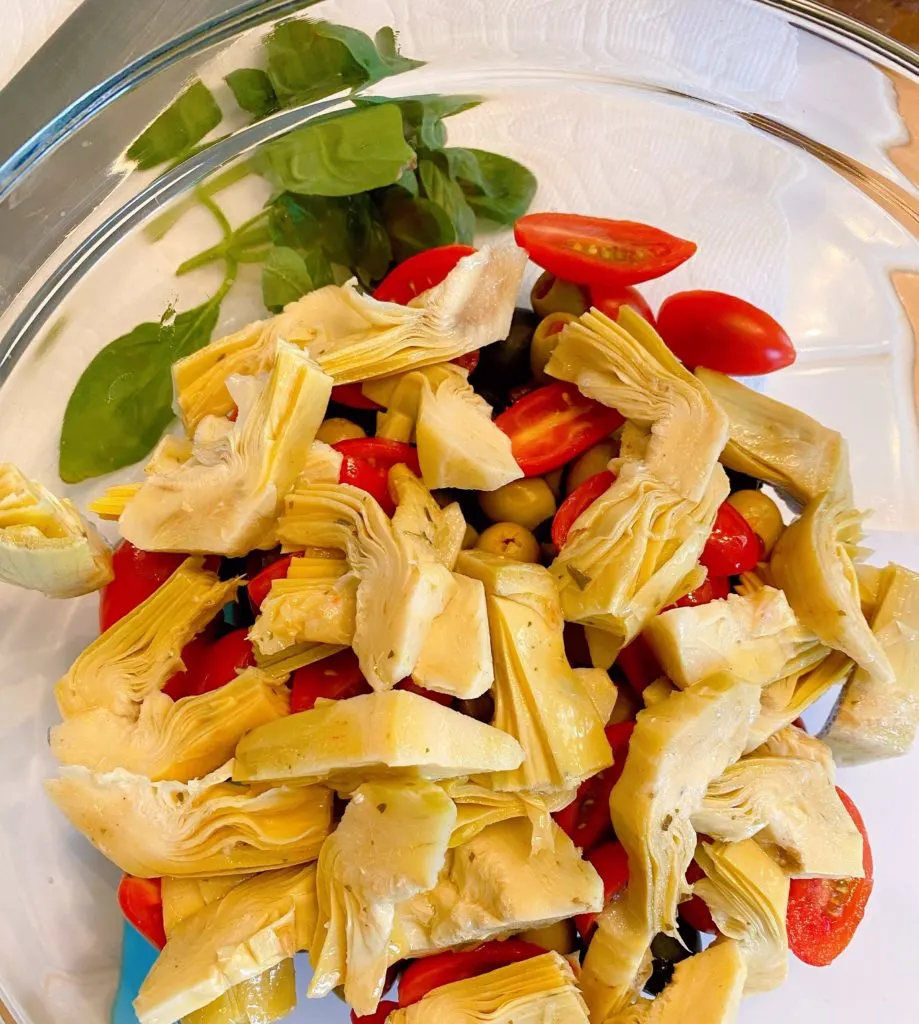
138,654
477,807
354,337
45,544
177,740
259,923
390,845
207,826
534,991
618,961
225,499
374,736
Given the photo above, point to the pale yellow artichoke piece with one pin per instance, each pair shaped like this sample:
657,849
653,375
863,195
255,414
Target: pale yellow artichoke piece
747,894
402,586
631,553
288,660
875,720
259,923
657,691
601,690
535,991
793,742
390,845
777,443
114,501
812,562
208,826
791,808
227,497
183,897
435,534
628,367
347,742
138,654
477,807
494,885
45,544
538,697
618,961
870,579
756,637
401,396
322,465
177,740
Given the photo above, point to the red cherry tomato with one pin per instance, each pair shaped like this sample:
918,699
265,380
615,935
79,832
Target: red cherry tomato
353,397
732,546
137,575
194,655
469,361
444,699
823,913
554,424
604,254
714,588
419,273
694,911
260,585
422,976
335,678
378,1016
610,301
141,902
612,865
580,499
223,661
639,664
367,462
723,333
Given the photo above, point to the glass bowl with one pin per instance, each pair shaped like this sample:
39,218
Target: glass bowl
778,136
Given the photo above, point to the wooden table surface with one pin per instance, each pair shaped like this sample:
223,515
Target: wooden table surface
897,18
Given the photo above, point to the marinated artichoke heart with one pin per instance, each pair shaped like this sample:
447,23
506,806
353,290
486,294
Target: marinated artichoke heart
178,740
755,636
631,552
347,742
776,443
226,498
477,807
747,894
208,826
539,700
618,961
45,544
812,562
402,587
875,720
791,808
435,533
796,743
315,603
534,991
494,885
390,845
601,690
138,654
259,923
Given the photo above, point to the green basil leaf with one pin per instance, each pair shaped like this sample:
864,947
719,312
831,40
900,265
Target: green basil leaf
389,56
122,402
463,165
503,190
291,222
409,181
375,254
441,189
253,91
414,225
379,58
182,124
340,155
422,116
286,276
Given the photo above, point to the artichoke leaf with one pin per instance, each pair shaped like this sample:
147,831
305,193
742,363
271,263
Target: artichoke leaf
601,690
178,740
435,534
207,826
394,733
477,807
138,654
618,961
45,544
533,991
796,743
401,397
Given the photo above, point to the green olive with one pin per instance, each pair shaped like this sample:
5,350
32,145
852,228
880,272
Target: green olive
544,341
527,502
510,540
554,480
338,429
762,513
593,461
551,294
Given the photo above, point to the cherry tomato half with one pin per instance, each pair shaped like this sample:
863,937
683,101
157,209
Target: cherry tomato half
732,546
638,664
141,902
137,575
260,585
694,911
580,499
419,273
469,361
714,588
335,678
611,300
553,425
194,655
723,333
367,462
823,913
222,662
353,397
601,253
378,1016
422,976
612,865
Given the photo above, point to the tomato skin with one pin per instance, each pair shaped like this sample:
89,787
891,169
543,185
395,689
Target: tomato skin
823,913
367,462
419,273
612,865
639,664
141,902
732,546
724,333
625,252
694,911
610,301
468,361
222,662
137,575
554,424
335,678
378,1016
580,499
713,588
259,585
353,397
194,655
422,976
